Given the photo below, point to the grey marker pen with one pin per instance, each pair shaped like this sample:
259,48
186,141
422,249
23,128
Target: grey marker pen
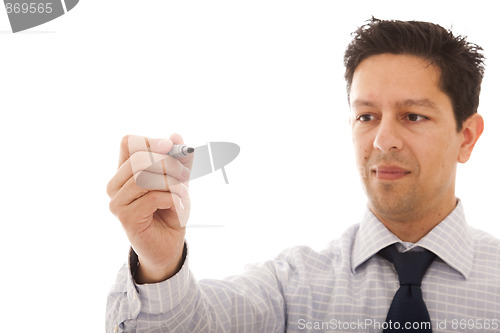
179,151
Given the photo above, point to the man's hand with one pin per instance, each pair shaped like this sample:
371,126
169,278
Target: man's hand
149,195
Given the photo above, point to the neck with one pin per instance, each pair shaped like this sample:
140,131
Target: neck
414,226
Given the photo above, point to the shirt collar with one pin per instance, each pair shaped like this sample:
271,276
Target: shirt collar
451,240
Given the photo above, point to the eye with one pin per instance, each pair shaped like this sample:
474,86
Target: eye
364,118
413,117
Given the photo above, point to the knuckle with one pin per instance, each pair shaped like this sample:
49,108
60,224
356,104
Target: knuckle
140,160
180,189
185,190
123,214
137,176
135,157
155,196
109,189
113,207
172,182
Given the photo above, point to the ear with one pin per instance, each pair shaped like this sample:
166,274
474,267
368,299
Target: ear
471,131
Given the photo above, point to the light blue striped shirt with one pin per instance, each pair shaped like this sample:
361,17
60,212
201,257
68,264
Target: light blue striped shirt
344,288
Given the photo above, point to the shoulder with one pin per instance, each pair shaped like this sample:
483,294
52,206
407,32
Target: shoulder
485,242
306,259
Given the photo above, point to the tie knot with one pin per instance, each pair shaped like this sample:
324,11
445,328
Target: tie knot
411,266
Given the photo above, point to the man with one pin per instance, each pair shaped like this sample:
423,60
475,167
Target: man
413,90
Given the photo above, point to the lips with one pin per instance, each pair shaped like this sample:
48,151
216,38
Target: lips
389,172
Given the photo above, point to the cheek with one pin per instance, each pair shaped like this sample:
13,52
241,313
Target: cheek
448,158
361,150
365,148
437,159
362,153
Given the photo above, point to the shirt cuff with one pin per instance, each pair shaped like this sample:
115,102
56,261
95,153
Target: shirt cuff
161,297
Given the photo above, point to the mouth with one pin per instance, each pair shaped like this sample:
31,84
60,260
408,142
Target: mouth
389,172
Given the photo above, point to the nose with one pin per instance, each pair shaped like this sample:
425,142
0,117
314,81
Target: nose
388,136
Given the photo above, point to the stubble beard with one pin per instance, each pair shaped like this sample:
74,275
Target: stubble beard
390,201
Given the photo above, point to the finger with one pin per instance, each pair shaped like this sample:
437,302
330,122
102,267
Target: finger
181,205
140,161
153,181
130,191
124,150
150,145
176,212
187,160
142,209
177,139
131,144
145,153
158,163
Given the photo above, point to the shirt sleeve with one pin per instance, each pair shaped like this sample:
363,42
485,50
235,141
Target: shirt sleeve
251,302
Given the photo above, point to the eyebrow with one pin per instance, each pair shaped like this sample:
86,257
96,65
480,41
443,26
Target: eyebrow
421,102
362,102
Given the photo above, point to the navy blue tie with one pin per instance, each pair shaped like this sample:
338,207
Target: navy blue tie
408,312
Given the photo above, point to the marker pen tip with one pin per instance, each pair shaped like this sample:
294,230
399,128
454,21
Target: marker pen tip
190,150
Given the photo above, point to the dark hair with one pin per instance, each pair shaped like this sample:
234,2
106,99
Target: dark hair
461,63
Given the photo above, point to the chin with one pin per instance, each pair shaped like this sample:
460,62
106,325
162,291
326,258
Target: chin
389,202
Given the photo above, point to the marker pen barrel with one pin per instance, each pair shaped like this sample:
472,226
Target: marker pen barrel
179,151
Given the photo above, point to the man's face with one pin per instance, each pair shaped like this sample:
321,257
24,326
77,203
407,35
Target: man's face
405,136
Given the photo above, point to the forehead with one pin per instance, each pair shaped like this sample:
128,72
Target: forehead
391,76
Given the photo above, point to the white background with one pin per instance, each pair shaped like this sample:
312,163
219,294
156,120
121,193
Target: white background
267,75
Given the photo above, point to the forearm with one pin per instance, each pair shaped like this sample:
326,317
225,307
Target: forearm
248,303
